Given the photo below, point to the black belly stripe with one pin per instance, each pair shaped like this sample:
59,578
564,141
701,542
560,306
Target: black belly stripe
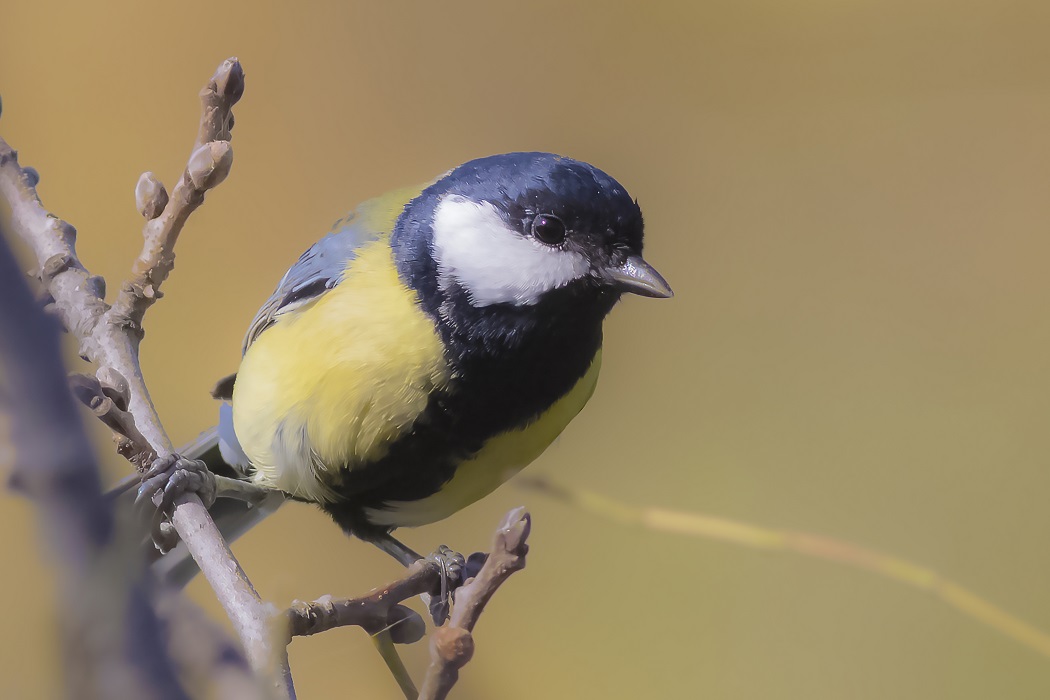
509,365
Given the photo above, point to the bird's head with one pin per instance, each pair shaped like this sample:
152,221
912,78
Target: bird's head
510,229
523,230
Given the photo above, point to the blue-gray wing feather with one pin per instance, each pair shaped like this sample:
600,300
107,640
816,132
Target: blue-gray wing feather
318,269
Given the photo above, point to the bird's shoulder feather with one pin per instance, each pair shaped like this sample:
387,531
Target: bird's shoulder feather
322,265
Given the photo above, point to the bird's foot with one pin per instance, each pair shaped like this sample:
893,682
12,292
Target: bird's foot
452,566
168,478
455,571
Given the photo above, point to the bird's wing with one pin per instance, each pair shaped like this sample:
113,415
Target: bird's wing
321,267
318,269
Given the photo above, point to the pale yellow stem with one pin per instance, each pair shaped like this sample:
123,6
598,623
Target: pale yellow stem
809,545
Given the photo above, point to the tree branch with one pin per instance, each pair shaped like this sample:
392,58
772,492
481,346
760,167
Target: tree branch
110,336
112,641
381,611
452,644
209,164
377,611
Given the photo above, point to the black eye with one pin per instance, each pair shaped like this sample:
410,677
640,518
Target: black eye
548,229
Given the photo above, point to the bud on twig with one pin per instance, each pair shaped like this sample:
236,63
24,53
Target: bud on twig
229,80
150,196
210,164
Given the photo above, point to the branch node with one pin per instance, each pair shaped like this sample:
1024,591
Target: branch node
110,335
124,322
54,266
454,645
96,284
115,386
125,448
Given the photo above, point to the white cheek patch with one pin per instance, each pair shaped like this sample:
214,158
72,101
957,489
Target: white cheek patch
494,263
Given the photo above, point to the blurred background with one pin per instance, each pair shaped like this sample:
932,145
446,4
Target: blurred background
850,199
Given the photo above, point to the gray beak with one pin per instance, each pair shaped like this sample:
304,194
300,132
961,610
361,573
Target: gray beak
638,277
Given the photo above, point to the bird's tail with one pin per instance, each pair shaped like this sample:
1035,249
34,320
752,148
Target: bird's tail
231,516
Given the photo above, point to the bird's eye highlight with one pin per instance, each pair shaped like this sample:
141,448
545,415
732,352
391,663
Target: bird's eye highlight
549,229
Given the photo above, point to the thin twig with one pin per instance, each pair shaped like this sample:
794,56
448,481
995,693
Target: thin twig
809,545
372,612
452,644
380,611
112,410
110,337
209,164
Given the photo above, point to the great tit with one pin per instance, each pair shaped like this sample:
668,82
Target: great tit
431,346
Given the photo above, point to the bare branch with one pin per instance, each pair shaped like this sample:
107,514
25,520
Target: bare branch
77,294
209,163
381,611
452,645
110,337
112,641
374,612
112,410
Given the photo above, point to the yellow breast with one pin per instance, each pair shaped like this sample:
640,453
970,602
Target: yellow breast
335,382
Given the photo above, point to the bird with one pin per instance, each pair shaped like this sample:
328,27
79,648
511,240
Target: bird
424,351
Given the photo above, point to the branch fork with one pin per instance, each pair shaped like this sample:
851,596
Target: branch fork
452,644
110,336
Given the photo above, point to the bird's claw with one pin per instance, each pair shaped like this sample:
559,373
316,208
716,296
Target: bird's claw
452,566
170,477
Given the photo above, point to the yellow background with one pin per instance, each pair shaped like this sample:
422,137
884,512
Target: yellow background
851,201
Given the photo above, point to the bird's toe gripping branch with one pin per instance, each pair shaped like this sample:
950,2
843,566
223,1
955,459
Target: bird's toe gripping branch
455,571
452,567
168,478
